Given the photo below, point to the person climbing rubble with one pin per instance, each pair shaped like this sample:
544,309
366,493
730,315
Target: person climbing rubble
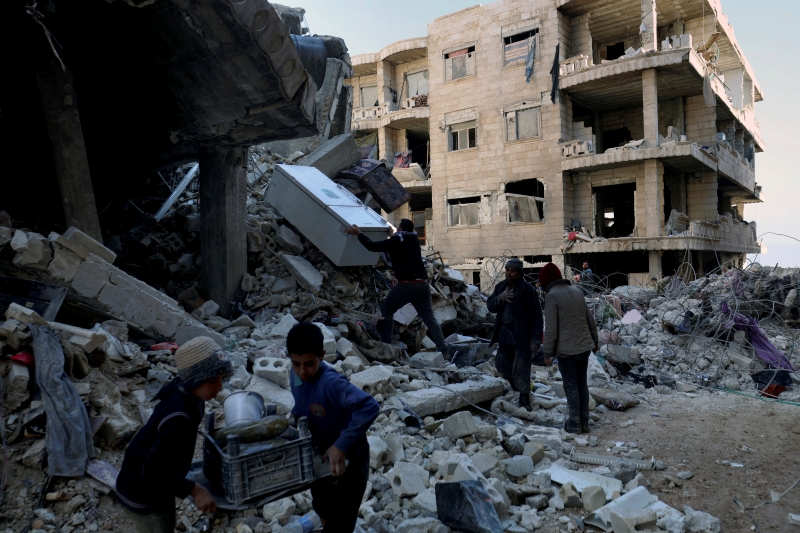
570,335
158,458
412,280
518,328
339,415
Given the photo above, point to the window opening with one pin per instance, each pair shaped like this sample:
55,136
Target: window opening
464,135
525,201
417,83
464,211
615,210
516,47
523,124
615,51
369,96
459,64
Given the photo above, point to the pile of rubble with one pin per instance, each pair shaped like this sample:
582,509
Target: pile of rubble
732,329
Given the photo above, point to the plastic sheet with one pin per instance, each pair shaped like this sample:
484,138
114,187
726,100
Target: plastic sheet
466,506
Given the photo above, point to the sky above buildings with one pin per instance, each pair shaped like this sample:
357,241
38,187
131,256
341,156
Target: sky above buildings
764,31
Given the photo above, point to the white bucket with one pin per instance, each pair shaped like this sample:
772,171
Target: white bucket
243,406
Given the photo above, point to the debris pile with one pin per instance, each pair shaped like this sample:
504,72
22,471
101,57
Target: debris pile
732,329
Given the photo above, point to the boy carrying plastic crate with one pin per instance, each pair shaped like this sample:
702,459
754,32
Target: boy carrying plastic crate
339,415
158,458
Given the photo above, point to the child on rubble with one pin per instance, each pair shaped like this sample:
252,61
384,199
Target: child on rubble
339,415
158,458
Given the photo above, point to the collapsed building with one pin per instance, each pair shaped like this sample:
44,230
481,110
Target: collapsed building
572,132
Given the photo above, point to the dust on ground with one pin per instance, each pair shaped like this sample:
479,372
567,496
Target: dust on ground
697,432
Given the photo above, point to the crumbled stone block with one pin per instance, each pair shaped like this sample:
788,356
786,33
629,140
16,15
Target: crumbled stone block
288,240
374,380
538,501
273,369
633,521
518,466
682,386
407,479
64,264
460,425
328,338
352,363
428,360
425,501
379,453
700,522
36,253
272,393
16,384
282,328
569,495
593,498
534,450
442,400
394,445
547,437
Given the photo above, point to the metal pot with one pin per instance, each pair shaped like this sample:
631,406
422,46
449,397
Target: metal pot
243,406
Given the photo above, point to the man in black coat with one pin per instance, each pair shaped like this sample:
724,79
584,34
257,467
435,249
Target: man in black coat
517,328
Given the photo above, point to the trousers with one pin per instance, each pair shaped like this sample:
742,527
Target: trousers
161,520
337,499
573,374
418,295
514,364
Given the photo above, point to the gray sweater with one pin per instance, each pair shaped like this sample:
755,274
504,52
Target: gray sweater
569,327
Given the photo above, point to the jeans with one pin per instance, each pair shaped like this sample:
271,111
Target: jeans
514,364
160,520
418,295
573,373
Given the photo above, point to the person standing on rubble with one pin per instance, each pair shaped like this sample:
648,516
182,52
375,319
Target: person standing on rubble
570,335
517,328
158,458
412,280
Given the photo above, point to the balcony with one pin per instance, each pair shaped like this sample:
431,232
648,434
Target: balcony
685,156
618,84
724,235
405,115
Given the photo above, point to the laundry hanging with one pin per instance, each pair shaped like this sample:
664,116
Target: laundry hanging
554,74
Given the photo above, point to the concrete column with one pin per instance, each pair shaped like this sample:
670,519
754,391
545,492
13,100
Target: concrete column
738,142
650,107
384,81
223,222
558,260
386,147
649,41
654,258
60,106
654,197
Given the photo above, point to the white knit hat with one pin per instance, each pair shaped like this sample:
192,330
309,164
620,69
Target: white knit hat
201,359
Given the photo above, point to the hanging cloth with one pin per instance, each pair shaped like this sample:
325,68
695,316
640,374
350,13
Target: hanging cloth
554,74
529,60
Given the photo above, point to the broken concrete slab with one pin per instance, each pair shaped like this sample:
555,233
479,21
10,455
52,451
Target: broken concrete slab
407,479
328,338
282,328
272,393
81,239
547,437
16,386
288,240
582,480
634,522
304,272
452,397
428,360
379,453
518,466
593,498
333,156
36,252
64,264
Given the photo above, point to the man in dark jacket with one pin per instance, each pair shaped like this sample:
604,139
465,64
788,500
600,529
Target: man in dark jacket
517,328
571,335
412,280
158,458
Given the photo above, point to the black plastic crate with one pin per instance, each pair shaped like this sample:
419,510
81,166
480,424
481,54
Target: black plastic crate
256,471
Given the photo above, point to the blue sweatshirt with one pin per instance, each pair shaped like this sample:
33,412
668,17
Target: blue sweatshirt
338,412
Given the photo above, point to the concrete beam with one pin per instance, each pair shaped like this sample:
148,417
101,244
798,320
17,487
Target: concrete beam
60,107
223,222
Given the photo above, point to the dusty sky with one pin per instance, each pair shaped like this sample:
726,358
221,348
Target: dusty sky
764,30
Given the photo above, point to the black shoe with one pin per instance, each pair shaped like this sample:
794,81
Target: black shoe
572,427
585,425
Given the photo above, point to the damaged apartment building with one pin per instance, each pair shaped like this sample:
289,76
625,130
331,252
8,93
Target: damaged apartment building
619,132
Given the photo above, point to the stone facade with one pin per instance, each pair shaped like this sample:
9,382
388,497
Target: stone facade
495,138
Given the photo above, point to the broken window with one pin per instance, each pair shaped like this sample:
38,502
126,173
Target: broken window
369,96
459,64
463,136
464,211
417,83
615,210
516,47
523,124
525,201
615,51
